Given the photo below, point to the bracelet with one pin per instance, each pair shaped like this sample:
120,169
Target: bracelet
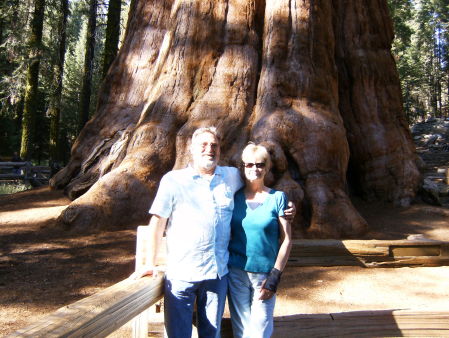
273,279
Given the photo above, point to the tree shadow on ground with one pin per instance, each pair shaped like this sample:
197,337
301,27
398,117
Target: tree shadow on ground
43,267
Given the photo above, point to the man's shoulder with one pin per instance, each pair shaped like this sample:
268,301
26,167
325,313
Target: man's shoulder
228,170
177,174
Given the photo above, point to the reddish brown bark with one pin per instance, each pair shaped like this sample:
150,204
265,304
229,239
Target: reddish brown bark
289,74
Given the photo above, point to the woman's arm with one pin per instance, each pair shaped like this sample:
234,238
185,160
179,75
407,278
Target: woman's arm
285,238
285,234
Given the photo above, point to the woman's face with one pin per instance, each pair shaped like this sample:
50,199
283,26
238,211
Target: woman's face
254,168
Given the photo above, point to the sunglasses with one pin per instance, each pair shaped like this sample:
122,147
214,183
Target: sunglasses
258,165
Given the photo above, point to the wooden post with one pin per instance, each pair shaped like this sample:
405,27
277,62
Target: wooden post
140,323
27,174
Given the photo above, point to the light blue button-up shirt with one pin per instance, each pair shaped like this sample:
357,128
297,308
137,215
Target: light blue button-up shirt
199,211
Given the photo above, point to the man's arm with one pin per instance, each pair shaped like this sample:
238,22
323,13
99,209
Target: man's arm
290,213
157,226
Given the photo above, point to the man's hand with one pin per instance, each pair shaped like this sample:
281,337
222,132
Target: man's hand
289,214
147,271
265,294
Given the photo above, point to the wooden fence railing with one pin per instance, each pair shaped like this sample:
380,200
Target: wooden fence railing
24,171
417,251
101,314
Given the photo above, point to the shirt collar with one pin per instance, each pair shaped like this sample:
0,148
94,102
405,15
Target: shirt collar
195,174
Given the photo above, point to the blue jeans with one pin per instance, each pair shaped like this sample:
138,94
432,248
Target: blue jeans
179,299
250,316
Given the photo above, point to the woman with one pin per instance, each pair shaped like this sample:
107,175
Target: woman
259,248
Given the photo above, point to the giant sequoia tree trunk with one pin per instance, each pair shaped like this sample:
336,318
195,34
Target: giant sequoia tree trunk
314,80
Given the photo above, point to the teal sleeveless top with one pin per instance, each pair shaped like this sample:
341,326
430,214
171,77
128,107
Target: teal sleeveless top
254,243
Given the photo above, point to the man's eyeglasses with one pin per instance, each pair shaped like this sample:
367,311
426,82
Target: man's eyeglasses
258,165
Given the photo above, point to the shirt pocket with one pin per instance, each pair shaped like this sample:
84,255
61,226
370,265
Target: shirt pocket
223,196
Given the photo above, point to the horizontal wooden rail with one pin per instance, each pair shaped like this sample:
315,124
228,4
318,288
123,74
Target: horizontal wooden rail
101,314
369,253
385,323
23,171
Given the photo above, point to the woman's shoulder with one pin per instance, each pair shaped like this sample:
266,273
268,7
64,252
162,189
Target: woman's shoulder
278,193
279,198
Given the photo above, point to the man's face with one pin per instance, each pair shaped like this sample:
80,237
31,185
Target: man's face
205,151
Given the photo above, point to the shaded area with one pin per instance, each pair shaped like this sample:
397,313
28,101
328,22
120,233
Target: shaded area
43,268
388,222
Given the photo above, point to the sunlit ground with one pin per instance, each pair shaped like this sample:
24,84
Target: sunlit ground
342,289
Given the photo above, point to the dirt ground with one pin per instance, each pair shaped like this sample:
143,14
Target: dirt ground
42,268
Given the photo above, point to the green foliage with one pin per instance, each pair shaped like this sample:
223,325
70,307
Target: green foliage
421,49
11,187
15,16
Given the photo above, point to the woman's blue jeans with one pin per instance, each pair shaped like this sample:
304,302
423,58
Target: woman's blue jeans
250,316
179,300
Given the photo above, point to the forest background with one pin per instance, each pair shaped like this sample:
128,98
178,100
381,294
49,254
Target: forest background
54,55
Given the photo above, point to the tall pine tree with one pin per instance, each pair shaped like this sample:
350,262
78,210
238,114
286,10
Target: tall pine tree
88,65
112,34
54,110
32,80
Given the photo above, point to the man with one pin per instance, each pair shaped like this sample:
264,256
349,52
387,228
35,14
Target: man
198,202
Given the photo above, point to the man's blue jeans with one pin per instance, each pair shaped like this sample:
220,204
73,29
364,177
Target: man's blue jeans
250,316
179,299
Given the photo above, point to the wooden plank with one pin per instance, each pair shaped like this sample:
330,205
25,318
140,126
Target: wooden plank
369,253
370,262
317,248
11,176
413,250
325,261
418,261
385,323
8,164
316,325
391,323
329,247
100,314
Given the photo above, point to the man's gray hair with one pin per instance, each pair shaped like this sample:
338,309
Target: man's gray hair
210,130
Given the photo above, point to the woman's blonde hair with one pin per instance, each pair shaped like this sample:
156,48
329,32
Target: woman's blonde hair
259,151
